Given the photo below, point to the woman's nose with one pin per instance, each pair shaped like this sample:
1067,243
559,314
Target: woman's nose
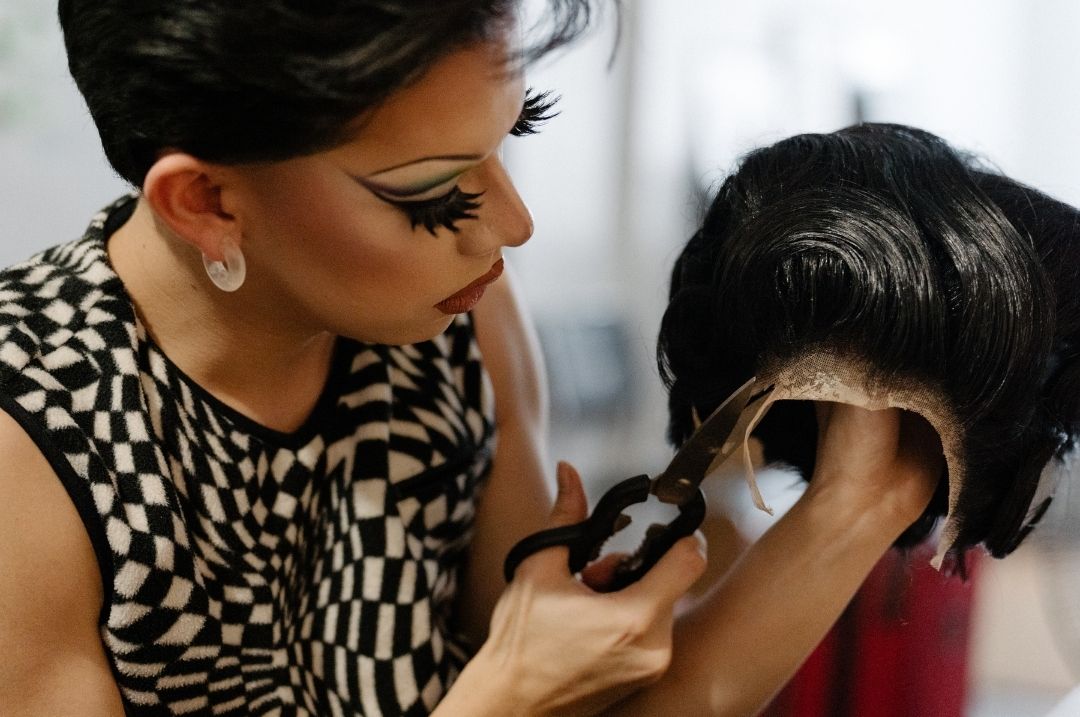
504,219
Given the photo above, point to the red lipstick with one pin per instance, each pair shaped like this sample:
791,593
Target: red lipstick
470,296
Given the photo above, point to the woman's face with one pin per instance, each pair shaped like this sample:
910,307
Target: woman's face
339,241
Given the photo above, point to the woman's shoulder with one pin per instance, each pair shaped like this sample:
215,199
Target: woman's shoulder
62,307
66,330
52,591
33,496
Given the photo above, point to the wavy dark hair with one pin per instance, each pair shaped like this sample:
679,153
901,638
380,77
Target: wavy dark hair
250,80
883,242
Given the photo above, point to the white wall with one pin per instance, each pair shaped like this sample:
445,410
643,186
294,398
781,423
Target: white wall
53,175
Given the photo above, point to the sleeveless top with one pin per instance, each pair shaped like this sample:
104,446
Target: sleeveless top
247,571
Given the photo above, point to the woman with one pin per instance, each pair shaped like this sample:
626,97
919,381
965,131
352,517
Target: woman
249,435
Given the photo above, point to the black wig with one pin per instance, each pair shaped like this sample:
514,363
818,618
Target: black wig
883,243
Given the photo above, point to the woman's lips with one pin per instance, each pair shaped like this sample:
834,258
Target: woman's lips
470,296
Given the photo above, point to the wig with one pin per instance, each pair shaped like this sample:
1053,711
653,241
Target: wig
879,256
239,80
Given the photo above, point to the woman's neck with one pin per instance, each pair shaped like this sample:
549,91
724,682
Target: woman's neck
236,346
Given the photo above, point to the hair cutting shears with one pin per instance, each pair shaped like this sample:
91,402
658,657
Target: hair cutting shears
679,484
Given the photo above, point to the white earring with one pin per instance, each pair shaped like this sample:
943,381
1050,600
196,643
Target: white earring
228,275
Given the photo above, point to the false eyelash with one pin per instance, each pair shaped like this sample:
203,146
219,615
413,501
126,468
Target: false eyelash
445,211
536,110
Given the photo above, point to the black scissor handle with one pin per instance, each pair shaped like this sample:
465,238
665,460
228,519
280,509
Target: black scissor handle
585,539
658,540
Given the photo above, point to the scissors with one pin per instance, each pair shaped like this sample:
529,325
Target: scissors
679,484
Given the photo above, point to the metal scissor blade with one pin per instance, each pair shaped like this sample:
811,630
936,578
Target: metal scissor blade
750,415
680,480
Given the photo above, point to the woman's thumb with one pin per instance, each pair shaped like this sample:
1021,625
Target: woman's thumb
571,506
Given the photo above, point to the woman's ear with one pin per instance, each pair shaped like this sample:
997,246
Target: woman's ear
185,194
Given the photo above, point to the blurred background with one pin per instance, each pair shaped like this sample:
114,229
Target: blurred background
617,183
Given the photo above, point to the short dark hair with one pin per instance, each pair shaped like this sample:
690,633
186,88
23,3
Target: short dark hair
883,242
251,80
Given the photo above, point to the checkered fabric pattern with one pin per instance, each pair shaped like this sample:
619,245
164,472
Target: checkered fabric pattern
249,572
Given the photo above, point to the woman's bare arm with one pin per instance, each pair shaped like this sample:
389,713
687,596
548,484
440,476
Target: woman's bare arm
52,660
517,499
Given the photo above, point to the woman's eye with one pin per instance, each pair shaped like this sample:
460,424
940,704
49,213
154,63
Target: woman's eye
456,205
445,211
537,109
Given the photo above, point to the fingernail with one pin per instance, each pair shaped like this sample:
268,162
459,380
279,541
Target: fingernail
703,546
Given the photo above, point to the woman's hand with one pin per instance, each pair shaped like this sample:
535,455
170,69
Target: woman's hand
556,647
890,459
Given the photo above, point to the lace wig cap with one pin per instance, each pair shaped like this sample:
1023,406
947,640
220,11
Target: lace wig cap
825,375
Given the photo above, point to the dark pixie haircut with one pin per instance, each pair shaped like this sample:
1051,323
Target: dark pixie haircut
884,243
250,80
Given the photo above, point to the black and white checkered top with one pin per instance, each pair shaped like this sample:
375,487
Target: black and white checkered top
247,571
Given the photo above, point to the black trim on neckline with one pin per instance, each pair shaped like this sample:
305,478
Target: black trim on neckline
325,405
118,214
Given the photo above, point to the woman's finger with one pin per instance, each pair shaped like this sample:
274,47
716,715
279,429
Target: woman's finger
668,580
598,575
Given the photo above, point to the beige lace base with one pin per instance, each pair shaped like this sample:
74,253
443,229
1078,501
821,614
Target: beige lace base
825,375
